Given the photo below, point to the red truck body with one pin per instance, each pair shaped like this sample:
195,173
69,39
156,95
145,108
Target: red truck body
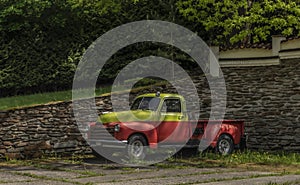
174,130
170,132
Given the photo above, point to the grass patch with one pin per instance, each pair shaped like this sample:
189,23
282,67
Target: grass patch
41,98
297,182
54,164
259,158
277,164
43,177
249,160
7,103
229,179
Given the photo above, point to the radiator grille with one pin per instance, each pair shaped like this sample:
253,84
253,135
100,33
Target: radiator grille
101,133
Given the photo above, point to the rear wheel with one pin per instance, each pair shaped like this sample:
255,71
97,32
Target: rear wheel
225,145
137,147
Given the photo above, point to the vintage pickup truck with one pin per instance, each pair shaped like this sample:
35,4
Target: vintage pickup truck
159,120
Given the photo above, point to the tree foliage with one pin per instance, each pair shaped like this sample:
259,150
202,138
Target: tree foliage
42,40
243,21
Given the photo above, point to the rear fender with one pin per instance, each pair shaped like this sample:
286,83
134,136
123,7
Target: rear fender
232,130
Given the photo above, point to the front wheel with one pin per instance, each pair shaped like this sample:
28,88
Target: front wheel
137,147
225,145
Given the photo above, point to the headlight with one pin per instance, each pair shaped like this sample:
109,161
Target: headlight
85,128
117,128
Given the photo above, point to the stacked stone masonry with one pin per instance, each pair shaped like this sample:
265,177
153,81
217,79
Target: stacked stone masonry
267,98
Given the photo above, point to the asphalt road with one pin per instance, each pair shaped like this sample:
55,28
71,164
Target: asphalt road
94,171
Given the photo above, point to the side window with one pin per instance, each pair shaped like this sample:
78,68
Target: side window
136,104
171,105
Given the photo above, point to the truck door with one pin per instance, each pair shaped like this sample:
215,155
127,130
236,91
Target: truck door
173,126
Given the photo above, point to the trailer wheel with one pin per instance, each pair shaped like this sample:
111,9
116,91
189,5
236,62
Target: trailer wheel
225,145
137,147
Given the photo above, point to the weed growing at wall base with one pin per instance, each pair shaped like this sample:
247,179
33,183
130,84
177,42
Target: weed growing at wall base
289,162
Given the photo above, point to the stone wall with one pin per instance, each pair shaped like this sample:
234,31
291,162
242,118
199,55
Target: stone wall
35,131
267,98
49,129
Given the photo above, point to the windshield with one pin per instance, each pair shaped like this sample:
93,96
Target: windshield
145,103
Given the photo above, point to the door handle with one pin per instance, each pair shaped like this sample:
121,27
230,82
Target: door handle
180,117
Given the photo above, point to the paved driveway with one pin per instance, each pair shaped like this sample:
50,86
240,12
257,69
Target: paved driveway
95,171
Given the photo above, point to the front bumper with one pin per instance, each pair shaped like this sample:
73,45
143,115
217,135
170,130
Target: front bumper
107,143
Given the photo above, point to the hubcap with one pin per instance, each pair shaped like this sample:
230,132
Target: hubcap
224,147
137,149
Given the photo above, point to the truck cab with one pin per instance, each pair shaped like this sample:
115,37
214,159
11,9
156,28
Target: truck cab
151,107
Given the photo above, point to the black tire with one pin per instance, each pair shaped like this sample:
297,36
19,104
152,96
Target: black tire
225,145
137,147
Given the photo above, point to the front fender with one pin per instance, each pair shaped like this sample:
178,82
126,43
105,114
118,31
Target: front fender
148,130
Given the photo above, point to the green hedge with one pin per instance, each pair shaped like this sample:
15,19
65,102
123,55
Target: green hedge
42,41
